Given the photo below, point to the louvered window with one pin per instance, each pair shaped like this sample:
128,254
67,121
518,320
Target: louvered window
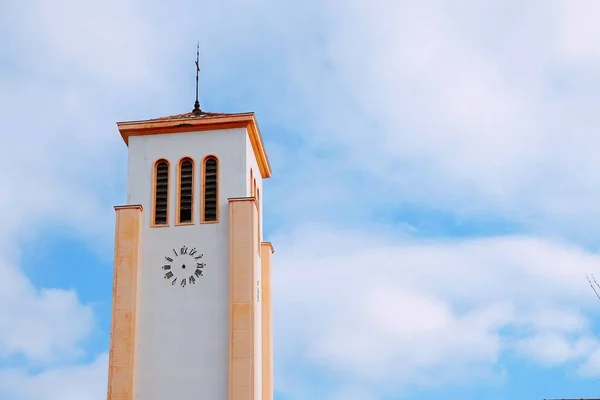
186,190
211,189
161,192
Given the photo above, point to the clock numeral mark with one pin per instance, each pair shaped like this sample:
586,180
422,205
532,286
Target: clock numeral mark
191,279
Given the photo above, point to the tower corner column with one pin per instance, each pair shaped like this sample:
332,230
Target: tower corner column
242,253
267,321
121,364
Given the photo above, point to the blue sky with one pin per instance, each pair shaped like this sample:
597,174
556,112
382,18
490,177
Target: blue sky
433,205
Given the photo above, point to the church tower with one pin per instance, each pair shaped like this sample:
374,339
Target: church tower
191,316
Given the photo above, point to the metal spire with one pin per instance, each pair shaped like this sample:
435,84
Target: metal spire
197,103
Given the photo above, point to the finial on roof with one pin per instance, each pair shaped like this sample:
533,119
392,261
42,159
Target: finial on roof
197,109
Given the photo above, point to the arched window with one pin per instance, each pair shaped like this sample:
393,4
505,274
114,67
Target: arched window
161,193
185,194
210,189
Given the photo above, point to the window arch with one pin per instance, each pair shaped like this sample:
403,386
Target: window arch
185,191
210,190
160,195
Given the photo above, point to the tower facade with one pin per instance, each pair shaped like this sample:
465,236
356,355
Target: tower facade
192,294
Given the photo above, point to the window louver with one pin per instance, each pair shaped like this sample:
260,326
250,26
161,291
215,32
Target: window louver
161,201
186,179
210,189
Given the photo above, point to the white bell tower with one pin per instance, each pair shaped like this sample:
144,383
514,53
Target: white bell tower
191,313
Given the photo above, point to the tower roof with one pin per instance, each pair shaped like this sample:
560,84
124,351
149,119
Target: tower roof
193,114
201,121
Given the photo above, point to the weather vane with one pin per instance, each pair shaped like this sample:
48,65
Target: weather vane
197,103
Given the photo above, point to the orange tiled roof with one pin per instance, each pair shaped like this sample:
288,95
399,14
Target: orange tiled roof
191,115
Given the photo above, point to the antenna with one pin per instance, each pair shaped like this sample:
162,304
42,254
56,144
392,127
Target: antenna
197,110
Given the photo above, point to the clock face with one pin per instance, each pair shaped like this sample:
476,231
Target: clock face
183,266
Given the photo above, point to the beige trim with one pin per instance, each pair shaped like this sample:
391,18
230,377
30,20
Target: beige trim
202,189
178,205
244,120
242,234
258,217
121,364
267,320
235,199
251,184
129,207
153,200
270,245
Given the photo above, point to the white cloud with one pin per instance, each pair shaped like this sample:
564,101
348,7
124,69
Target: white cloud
555,349
578,32
45,326
82,382
591,367
109,41
58,171
466,108
429,313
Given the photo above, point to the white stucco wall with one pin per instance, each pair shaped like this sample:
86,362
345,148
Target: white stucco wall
183,333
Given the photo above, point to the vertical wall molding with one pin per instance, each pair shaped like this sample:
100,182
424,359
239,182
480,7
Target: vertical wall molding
267,320
121,364
242,362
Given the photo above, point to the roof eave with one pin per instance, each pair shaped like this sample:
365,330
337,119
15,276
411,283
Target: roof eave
178,125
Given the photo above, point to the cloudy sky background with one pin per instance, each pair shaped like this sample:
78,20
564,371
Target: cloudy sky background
434,203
